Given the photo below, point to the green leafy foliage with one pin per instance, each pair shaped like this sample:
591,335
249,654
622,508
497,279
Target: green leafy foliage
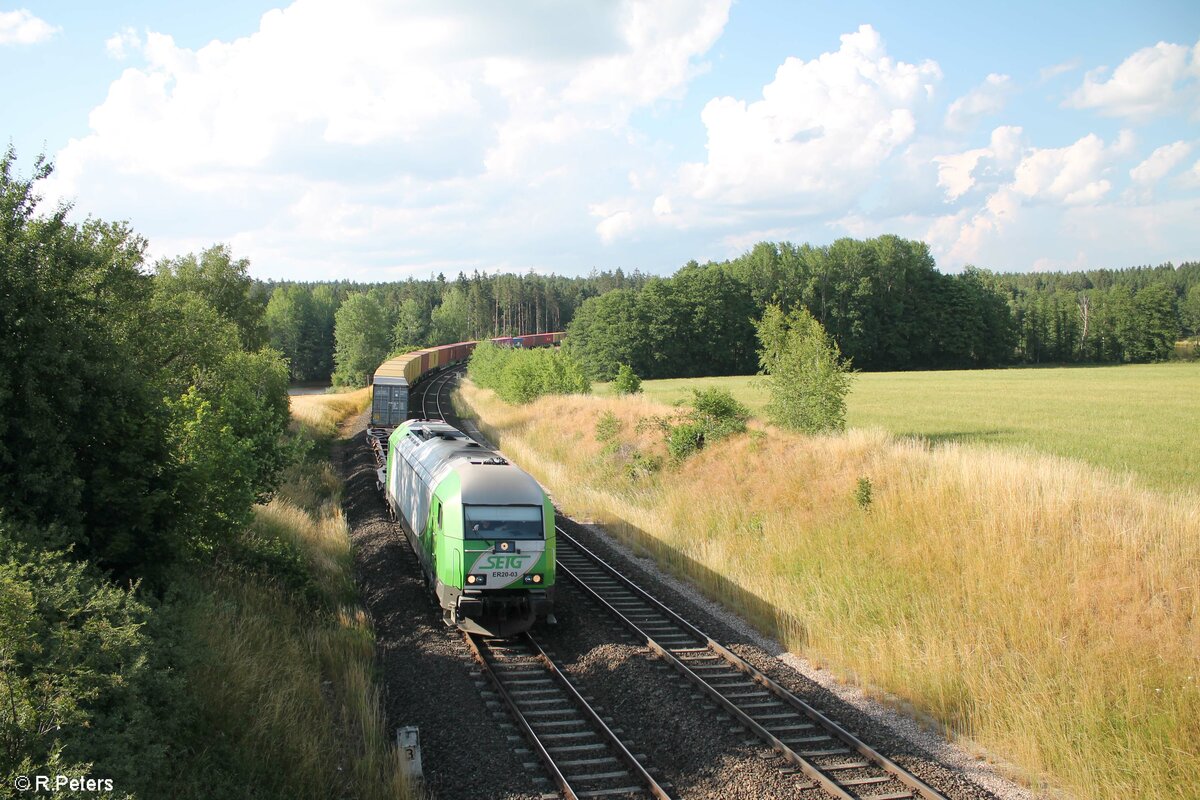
139,423
224,283
300,325
607,427
627,381
521,376
363,339
80,673
863,493
808,379
714,415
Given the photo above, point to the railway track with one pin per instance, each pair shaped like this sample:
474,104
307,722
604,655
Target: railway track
584,757
832,757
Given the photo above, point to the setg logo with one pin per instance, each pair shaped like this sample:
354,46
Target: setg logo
505,562
503,569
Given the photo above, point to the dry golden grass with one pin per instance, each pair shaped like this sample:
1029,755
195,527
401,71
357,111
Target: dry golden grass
296,684
323,413
1046,609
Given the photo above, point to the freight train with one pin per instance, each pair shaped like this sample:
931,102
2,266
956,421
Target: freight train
482,528
396,376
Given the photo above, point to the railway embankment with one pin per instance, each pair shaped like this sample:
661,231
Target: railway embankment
1029,606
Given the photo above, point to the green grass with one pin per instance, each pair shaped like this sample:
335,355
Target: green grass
1138,419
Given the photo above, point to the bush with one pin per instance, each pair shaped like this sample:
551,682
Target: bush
715,414
685,438
607,427
83,694
627,381
808,379
521,376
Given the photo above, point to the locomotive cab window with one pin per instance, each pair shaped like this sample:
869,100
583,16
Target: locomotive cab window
503,522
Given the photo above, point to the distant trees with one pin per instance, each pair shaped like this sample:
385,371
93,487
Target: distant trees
299,323
448,323
807,378
695,323
1132,315
882,300
423,313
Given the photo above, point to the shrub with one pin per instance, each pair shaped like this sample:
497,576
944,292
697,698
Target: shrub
521,376
808,379
685,438
81,686
607,427
627,381
715,414
863,493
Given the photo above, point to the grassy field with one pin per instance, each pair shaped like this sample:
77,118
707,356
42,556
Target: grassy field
1140,419
1040,608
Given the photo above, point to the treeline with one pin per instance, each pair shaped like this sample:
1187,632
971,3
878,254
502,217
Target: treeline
1104,315
888,308
142,417
349,328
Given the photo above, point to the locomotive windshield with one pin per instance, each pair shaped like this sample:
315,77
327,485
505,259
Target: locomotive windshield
503,522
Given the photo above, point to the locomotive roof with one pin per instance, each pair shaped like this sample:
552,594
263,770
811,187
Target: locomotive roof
485,477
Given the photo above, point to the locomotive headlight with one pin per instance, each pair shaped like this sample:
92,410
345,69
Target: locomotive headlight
476,580
535,578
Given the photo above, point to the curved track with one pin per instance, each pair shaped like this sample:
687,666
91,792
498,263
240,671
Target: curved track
830,756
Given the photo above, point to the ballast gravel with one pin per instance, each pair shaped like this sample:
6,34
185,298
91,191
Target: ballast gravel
471,751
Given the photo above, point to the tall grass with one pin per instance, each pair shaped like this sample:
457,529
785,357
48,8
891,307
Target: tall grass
290,676
1045,609
322,413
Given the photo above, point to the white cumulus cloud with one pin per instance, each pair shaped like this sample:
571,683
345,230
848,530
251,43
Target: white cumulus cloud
1072,174
1160,163
818,134
22,27
1152,81
984,100
387,125
957,171
123,44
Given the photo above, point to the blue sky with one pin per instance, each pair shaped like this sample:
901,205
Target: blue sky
375,140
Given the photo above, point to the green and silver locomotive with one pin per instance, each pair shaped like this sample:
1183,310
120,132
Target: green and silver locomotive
483,528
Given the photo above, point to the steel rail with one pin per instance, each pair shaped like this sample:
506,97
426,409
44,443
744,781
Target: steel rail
614,741
559,779
575,699
832,729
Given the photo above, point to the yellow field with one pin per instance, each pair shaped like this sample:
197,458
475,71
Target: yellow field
1040,607
1139,418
